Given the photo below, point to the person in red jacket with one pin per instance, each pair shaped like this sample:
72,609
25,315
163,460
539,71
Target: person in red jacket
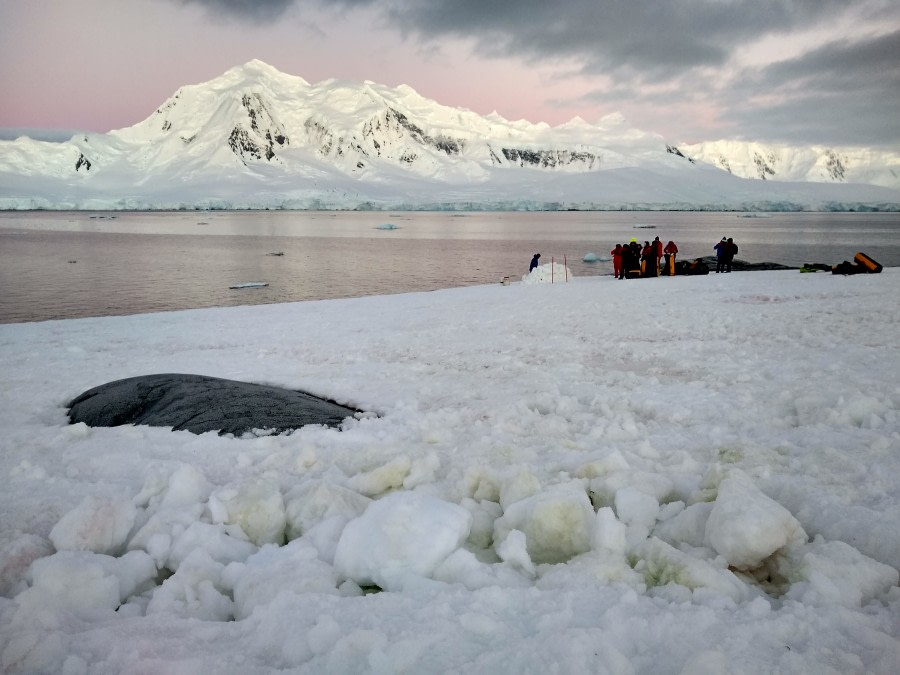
616,254
671,250
658,249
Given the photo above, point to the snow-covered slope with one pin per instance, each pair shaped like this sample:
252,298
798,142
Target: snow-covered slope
258,138
813,164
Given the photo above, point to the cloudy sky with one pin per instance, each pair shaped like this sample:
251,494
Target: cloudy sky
802,71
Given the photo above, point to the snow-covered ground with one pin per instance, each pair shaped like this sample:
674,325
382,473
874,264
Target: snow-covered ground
682,475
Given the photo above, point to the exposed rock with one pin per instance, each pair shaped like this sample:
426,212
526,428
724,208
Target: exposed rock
199,404
744,266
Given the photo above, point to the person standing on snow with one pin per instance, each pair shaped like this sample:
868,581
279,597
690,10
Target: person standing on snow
731,250
534,262
658,249
670,251
616,254
721,250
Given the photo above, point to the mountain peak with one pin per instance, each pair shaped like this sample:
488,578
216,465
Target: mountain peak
256,70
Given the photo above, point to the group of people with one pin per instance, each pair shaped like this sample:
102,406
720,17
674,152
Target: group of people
632,260
725,252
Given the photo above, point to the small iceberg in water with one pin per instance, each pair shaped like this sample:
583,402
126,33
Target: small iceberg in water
589,257
386,226
251,284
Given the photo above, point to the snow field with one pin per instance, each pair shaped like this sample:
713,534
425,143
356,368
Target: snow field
667,475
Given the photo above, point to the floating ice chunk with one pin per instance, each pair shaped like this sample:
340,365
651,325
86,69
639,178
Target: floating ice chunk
250,284
274,570
834,573
98,525
257,506
310,503
746,526
382,479
589,257
399,538
557,523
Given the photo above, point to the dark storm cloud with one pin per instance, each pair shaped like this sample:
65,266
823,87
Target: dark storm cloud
851,90
646,39
254,10
684,50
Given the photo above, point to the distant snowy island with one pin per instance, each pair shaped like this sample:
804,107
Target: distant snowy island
256,138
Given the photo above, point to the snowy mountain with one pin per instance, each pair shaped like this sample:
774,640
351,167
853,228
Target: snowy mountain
258,138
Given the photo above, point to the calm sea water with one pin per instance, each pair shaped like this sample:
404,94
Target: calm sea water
67,265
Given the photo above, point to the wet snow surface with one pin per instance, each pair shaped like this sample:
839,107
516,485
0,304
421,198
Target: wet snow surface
690,474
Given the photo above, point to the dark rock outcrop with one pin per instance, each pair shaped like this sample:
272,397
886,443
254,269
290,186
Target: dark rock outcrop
744,266
199,404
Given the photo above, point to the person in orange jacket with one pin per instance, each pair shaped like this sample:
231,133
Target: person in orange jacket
671,250
616,254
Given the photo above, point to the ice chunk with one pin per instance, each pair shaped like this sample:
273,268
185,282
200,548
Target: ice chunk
687,527
310,503
403,535
557,523
746,526
256,505
274,570
518,486
484,513
382,479
514,550
194,591
608,534
75,580
638,510
98,525
832,572
187,485
661,564
216,542
16,557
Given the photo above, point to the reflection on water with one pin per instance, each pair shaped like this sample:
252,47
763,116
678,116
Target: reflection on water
67,265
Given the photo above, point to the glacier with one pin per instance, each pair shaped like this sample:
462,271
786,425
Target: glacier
257,138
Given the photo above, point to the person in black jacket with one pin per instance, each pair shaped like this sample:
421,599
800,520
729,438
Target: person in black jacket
731,250
534,262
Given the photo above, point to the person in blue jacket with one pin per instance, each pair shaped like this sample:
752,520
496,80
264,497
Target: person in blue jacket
534,262
721,250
